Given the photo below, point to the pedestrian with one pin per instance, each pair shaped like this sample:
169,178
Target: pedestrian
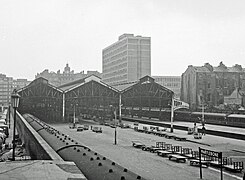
195,131
203,130
243,176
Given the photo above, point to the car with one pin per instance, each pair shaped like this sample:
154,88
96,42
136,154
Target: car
112,125
80,128
106,124
97,129
86,127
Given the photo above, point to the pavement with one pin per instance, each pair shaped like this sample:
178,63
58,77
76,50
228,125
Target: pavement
149,165
39,170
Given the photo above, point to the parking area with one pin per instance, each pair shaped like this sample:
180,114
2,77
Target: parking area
150,165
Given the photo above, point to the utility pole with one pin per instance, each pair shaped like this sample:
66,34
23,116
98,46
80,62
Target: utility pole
172,115
115,112
74,116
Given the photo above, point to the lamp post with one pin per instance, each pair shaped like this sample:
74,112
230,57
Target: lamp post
15,97
202,113
9,115
120,108
74,116
115,113
172,115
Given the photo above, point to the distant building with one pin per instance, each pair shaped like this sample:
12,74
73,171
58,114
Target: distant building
58,79
210,85
6,88
126,60
20,83
171,82
7,85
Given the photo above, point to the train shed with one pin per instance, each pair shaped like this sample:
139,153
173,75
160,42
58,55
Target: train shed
41,99
89,98
146,96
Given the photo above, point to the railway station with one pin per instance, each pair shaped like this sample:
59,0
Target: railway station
144,105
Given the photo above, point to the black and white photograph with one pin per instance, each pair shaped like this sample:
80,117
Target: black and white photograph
122,90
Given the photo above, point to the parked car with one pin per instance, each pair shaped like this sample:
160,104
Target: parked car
86,127
97,129
80,128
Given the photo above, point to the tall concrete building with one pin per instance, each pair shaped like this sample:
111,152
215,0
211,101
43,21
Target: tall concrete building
126,60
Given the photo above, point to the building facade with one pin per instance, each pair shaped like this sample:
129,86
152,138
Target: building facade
6,88
68,75
20,83
210,86
126,60
7,85
171,82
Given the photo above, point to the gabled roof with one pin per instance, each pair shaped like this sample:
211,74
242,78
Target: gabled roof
38,81
72,85
201,69
145,80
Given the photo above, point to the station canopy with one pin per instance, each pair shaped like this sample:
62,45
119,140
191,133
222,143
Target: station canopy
146,93
41,99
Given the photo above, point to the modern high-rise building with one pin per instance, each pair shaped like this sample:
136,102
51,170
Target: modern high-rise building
126,60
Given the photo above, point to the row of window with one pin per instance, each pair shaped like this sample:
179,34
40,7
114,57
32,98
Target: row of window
113,52
139,40
167,79
115,73
113,68
114,46
139,53
115,57
115,62
116,79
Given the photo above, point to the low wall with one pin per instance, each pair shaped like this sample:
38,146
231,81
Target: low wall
35,146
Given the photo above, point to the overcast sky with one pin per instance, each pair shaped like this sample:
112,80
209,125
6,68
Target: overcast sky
46,34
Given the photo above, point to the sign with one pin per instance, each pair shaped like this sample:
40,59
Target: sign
210,153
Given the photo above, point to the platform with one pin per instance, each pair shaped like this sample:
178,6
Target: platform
40,169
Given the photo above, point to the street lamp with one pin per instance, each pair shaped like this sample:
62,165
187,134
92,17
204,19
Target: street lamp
74,116
15,97
172,115
9,115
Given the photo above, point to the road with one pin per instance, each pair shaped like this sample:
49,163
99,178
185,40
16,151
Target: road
149,165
